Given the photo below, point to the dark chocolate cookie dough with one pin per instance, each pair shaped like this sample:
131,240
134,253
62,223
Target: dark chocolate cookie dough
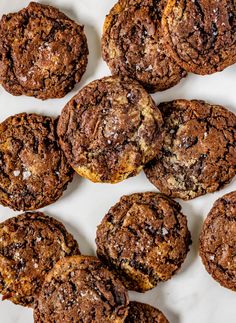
144,238
199,151
218,241
110,129
33,168
201,34
132,44
30,245
81,289
144,313
43,53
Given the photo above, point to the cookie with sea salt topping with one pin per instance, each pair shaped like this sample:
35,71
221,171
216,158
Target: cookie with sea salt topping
218,241
144,238
33,169
30,245
43,52
201,34
198,155
81,289
144,313
132,44
110,130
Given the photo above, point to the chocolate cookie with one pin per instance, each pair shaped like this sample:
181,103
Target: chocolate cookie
30,245
132,44
144,238
33,168
199,151
201,34
144,313
81,289
110,129
43,52
218,241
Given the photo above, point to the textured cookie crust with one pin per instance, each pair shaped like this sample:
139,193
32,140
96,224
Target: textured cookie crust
218,241
33,168
110,129
132,44
30,245
43,52
144,238
144,313
199,151
81,289
201,34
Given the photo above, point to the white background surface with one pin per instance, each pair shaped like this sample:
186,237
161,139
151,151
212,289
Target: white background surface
191,296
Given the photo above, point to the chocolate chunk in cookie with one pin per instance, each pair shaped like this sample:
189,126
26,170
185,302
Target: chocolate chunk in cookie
199,151
132,44
81,289
201,34
110,129
43,52
30,245
33,168
144,313
218,241
144,238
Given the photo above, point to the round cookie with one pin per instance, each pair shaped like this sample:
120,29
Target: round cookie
144,313
33,168
81,289
110,129
201,34
43,52
218,241
198,155
30,245
144,238
132,45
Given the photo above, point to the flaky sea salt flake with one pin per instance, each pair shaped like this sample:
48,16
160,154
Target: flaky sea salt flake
26,174
16,173
164,231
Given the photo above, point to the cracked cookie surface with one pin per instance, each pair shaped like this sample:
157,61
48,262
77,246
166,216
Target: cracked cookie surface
144,313
81,289
144,238
201,34
30,245
110,129
218,243
199,151
33,168
43,53
132,45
